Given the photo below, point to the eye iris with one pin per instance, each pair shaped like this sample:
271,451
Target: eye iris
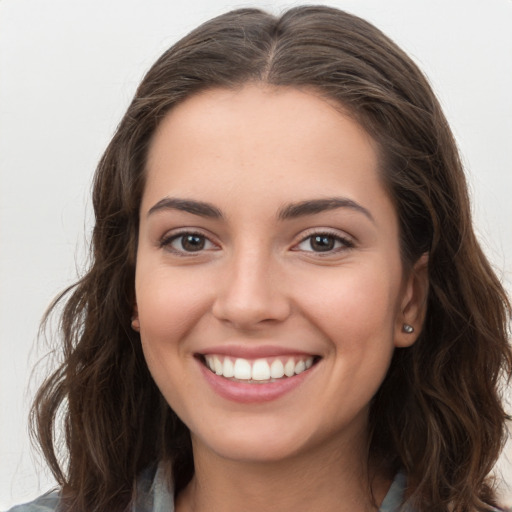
322,243
192,242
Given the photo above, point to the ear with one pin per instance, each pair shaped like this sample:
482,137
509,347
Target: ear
135,318
414,304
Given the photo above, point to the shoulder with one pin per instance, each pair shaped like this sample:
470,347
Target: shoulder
45,503
153,493
394,500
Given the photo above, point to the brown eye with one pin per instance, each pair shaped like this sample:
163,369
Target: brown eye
324,242
184,243
191,243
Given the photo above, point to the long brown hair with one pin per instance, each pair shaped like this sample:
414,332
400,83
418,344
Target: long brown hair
438,414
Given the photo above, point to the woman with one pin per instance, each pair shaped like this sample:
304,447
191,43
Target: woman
287,307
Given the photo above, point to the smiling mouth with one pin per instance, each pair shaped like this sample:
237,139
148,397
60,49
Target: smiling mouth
257,371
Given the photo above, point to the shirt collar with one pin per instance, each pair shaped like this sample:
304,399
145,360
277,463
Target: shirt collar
155,494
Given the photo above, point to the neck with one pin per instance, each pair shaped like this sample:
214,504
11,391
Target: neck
327,479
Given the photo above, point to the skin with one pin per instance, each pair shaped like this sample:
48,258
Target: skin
258,281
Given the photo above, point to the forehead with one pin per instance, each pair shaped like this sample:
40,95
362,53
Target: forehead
260,141
278,117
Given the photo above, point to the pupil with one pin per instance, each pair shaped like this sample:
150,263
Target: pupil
192,242
322,243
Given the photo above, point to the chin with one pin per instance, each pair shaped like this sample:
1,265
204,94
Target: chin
253,451
257,443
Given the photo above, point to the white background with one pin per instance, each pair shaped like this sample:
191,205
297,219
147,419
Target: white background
68,69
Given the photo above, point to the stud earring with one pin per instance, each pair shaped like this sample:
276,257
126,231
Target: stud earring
408,329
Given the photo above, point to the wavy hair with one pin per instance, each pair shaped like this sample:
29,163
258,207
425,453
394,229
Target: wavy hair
438,413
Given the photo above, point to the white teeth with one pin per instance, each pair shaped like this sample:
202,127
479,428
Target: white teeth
228,368
289,368
300,367
209,363
217,366
260,370
277,369
242,369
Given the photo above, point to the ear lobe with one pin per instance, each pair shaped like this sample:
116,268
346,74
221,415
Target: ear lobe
414,304
135,319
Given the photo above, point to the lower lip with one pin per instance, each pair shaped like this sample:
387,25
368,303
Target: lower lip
251,393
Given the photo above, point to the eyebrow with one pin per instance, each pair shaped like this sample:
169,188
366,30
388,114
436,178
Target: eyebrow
187,205
290,211
313,206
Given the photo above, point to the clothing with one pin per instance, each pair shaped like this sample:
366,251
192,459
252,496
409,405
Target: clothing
154,495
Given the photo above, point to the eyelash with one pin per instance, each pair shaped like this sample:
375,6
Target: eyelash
345,243
166,242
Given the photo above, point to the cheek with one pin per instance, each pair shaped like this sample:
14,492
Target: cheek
355,304
168,311
169,305
355,310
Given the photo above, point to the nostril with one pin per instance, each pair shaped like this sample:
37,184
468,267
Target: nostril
245,314
249,295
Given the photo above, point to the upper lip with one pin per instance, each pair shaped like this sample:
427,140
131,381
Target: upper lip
255,351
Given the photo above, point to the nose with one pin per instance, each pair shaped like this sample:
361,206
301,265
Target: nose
251,293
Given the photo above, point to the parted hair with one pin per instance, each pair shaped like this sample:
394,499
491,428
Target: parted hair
438,415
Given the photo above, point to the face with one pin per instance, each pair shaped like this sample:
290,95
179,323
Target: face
270,293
